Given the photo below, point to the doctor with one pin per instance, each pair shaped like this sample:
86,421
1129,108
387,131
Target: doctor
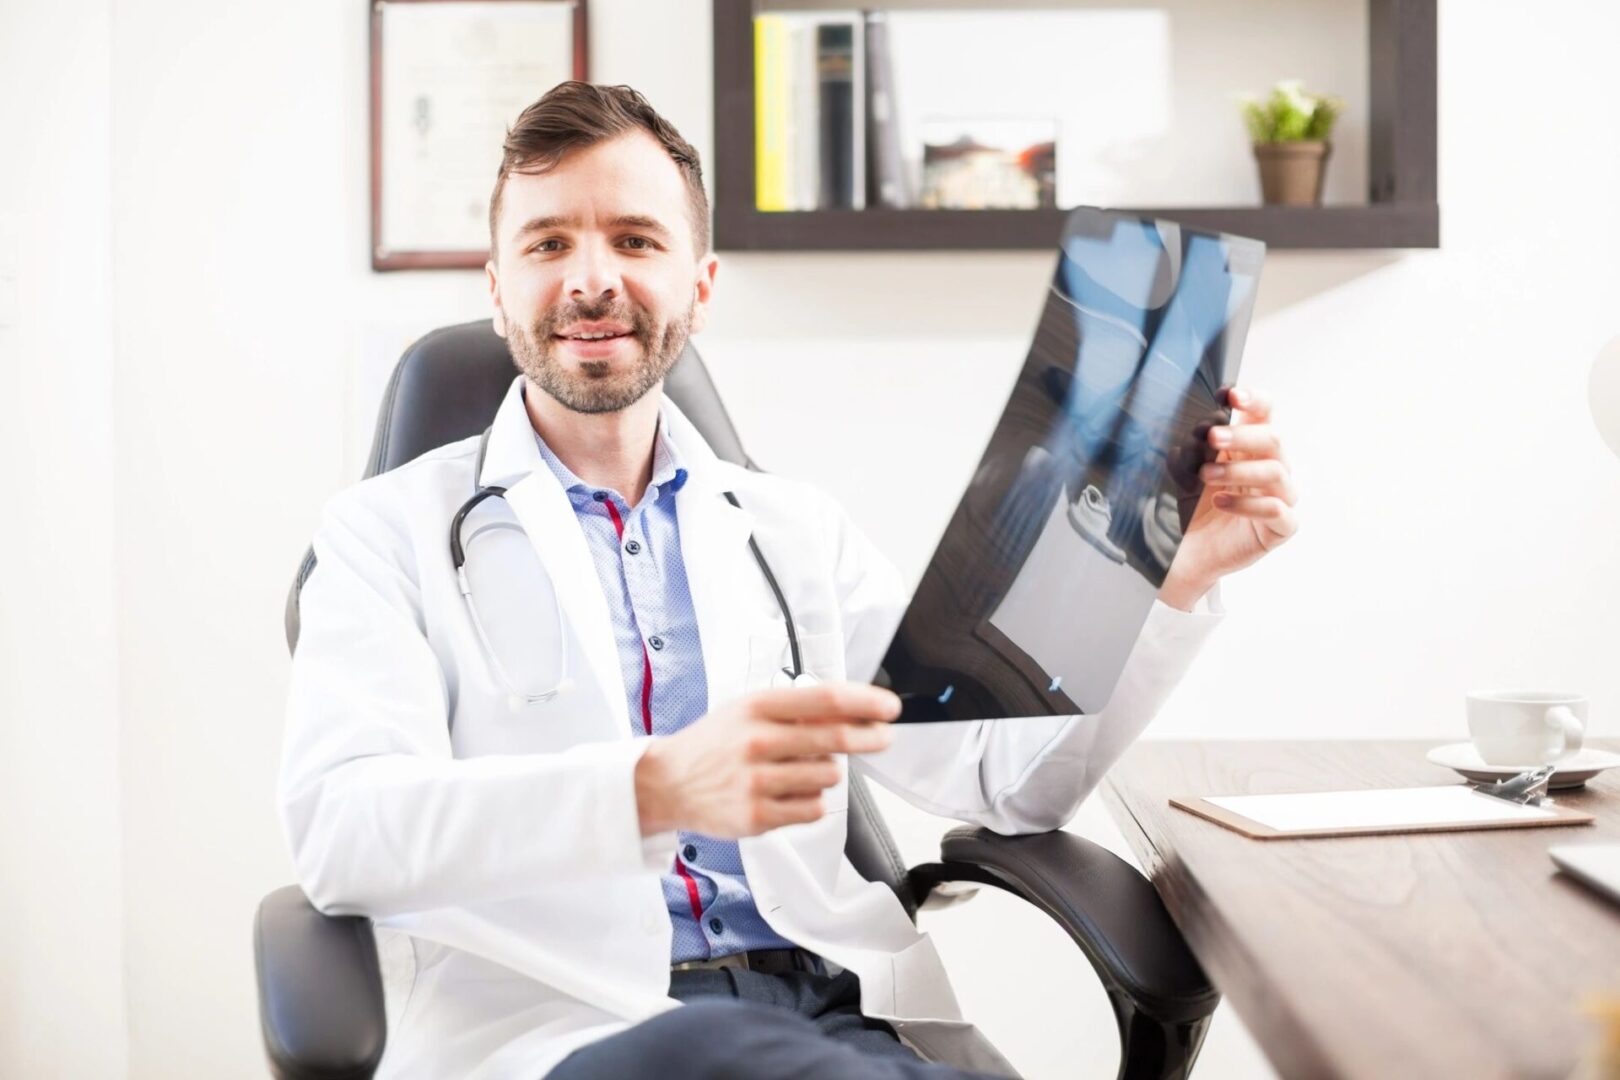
596,834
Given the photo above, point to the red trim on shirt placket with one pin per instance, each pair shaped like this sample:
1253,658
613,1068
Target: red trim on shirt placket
691,889
646,690
692,896
613,512
646,660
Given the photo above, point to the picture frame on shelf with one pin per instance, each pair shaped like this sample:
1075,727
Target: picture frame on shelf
989,163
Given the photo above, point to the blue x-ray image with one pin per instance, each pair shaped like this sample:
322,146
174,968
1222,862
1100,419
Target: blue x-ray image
1049,566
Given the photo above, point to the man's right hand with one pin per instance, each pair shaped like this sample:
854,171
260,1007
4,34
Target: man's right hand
760,761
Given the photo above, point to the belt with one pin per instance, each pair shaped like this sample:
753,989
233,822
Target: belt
770,961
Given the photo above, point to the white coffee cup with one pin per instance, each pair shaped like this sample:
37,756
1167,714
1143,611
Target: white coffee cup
1526,727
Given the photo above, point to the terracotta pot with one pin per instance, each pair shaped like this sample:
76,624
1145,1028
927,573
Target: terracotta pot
1291,173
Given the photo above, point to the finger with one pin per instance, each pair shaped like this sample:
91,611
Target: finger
774,813
1264,476
780,742
828,702
795,779
1255,406
1260,507
1258,440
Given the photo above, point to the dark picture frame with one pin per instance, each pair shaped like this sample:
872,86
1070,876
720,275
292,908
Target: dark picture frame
387,253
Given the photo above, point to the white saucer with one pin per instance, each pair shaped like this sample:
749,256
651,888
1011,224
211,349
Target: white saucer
1572,772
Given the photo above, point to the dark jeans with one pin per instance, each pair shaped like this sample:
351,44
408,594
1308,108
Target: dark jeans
748,1025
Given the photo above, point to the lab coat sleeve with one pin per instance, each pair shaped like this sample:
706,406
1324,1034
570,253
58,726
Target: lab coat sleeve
381,818
1019,775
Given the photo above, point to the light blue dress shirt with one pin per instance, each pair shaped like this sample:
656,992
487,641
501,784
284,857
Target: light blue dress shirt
637,553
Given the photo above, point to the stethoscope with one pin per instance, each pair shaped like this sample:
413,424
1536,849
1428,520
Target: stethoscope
796,674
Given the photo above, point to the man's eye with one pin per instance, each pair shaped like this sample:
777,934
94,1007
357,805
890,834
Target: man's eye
642,240
541,246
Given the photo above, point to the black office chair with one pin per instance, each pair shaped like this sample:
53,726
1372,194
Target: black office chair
320,990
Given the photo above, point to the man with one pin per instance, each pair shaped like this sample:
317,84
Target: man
589,802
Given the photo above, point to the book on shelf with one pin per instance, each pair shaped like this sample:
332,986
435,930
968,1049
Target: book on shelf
770,114
810,140
888,182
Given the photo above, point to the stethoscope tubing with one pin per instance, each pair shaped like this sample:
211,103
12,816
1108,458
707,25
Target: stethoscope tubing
797,670
458,561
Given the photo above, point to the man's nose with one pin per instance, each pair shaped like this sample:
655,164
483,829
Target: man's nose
592,273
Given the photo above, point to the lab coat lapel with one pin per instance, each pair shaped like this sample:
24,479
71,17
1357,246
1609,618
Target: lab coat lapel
722,574
714,547
513,460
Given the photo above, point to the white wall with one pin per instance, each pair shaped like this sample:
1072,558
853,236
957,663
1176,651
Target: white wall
1458,515
61,910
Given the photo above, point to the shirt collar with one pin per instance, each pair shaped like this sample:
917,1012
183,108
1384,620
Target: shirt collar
668,475
512,453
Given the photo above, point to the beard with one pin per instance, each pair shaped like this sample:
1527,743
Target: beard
596,387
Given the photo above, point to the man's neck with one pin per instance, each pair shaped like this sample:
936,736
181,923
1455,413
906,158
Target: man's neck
606,450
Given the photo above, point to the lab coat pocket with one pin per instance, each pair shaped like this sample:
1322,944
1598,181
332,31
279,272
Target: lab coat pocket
922,990
488,720
769,652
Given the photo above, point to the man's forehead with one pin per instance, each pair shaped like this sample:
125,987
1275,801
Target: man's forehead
628,177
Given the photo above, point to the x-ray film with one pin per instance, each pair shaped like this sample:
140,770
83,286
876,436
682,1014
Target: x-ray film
1050,565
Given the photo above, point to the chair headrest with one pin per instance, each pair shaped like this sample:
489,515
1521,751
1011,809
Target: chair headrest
448,385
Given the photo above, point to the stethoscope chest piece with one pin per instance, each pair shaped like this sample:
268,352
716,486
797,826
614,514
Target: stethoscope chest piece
784,677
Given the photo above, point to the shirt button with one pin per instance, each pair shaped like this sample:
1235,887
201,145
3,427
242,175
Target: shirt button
656,642
716,925
690,851
632,546
599,496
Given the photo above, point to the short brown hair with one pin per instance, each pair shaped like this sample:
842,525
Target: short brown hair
573,115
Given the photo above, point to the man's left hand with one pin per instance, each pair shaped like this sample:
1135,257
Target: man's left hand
1247,507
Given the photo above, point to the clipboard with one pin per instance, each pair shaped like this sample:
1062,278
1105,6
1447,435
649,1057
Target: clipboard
1446,808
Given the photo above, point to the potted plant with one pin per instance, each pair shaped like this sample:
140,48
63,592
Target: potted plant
1290,130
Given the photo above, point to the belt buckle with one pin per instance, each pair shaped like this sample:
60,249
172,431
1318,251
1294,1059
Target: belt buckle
736,960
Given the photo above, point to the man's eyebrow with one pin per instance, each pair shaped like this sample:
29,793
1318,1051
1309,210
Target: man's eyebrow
563,221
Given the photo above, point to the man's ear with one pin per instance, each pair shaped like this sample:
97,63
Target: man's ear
704,290
493,279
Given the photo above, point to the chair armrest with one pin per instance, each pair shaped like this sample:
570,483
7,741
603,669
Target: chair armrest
1110,910
320,990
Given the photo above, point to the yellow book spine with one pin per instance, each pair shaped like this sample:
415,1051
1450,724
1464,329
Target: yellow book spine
770,114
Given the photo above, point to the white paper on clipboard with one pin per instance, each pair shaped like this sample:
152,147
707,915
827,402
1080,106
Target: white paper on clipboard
1384,808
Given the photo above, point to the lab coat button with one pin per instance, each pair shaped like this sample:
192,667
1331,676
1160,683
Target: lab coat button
690,851
716,925
655,641
633,546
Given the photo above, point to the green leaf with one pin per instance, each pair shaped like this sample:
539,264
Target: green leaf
1290,114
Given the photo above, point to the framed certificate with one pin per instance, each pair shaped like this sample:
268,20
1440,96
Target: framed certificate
447,79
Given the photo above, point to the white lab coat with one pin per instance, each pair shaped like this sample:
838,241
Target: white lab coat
496,845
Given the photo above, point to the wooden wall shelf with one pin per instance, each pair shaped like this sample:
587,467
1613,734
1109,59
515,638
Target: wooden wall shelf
1401,212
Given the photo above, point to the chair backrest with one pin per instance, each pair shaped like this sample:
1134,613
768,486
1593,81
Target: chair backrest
447,387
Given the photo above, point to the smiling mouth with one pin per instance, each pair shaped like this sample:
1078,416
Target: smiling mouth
593,337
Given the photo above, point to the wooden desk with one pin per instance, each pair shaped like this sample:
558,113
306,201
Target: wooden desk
1460,954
